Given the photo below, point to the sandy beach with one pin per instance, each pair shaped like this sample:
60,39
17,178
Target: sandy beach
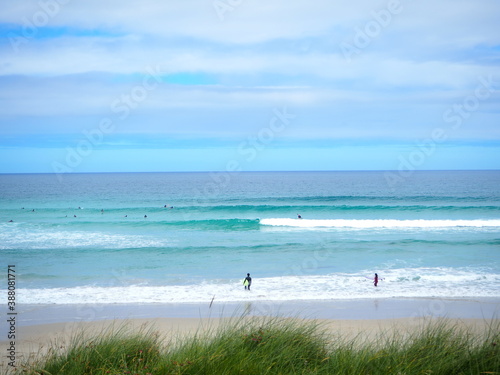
44,327
36,340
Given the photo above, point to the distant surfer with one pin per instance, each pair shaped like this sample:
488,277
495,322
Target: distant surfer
247,282
145,216
298,216
375,280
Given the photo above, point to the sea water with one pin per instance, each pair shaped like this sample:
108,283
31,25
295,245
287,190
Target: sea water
193,237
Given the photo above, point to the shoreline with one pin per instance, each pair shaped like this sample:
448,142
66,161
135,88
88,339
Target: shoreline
365,309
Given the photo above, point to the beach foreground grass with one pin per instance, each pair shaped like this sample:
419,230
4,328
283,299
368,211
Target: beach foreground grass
276,346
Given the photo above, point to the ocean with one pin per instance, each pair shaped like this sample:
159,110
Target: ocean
192,237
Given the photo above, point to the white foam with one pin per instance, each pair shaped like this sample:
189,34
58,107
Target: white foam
378,223
400,283
35,238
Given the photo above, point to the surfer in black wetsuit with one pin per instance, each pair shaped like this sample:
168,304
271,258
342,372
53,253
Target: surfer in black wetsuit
375,280
249,279
298,216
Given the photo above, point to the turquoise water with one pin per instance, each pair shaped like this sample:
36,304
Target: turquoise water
85,237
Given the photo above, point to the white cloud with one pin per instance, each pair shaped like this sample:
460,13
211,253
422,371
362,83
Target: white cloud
85,55
257,22
66,56
424,44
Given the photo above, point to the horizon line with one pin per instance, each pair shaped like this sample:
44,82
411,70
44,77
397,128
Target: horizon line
257,171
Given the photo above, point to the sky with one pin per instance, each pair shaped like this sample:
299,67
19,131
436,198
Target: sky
248,85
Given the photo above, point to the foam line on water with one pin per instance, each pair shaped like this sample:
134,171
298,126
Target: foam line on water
65,239
378,223
395,283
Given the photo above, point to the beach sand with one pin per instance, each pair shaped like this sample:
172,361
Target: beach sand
39,328
34,341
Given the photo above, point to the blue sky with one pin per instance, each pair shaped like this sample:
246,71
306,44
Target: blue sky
210,85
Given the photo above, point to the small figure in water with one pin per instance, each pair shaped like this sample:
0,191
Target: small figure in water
11,221
375,280
145,216
247,282
298,216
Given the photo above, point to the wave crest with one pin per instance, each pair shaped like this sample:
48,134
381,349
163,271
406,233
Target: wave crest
377,223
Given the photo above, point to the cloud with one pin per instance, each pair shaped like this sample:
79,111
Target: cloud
296,43
252,22
194,72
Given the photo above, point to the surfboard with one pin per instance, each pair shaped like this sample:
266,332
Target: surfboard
245,282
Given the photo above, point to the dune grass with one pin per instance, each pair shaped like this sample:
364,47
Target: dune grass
278,346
